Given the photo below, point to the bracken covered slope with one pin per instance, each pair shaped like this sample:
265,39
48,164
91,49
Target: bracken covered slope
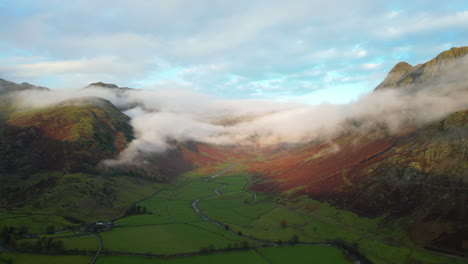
418,176
73,136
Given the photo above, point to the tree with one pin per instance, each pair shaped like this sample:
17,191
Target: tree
48,244
244,244
5,234
57,245
284,223
12,240
37,246
294,239
23,230
50,229
26,246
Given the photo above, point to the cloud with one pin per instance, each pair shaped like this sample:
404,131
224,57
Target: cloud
165,115
73,72
94,65
250,40
370,66
427,22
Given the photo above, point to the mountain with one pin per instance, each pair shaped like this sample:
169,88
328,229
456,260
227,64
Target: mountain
7,86
51,161
74,136
416,178
110,86
443,65
411,184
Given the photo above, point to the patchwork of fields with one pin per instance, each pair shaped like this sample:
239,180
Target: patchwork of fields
206,220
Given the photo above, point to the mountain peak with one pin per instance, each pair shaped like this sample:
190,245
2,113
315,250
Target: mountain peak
401,66
403,74
105,85
8,86
108,86
396,75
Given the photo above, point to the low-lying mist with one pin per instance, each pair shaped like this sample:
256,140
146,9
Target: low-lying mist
160,116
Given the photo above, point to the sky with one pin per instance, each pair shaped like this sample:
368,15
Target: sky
296,50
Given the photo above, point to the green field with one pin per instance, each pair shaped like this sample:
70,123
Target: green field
303,254
74,243
174,227
163,239
145,219
241,218
81,243
195,190
13,258
286,254
244,257
36,224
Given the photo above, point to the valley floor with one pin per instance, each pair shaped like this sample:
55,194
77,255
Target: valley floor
204,219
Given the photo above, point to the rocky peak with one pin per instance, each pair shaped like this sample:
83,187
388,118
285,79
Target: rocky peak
403,74
104,85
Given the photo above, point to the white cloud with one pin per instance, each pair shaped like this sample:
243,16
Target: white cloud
371,66
184,115
426,22
80,71
215,40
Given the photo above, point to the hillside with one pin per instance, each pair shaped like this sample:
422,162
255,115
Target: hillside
7,87
51,161
48,166
74,136
375,191
416,179
443,68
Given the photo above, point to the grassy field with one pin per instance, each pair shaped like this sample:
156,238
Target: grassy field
36,224
234,239
304,254
182,212
163,239
13,258
233,184
145,219
84,197
171,226
195,190
285,254
245,257
81,243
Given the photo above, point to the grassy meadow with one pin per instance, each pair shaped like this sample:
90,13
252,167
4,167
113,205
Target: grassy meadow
243,227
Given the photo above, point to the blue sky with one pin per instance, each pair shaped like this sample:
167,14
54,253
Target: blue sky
299,50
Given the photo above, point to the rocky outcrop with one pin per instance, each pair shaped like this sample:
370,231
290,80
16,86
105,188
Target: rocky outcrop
442,66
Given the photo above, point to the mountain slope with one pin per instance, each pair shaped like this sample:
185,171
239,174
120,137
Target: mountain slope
7,86
403,74
74,136
49,158
417,177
